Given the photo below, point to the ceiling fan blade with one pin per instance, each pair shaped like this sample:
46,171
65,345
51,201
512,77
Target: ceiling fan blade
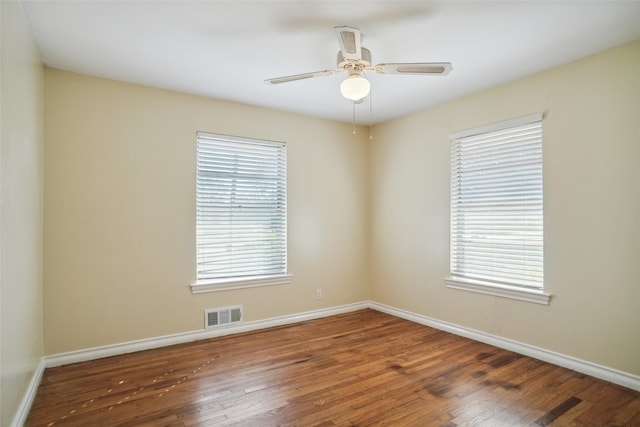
434,68
349,39
295,77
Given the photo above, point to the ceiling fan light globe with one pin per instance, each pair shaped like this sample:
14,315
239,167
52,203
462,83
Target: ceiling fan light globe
355,87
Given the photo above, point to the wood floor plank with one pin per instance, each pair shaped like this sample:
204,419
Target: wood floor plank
358,369
558,411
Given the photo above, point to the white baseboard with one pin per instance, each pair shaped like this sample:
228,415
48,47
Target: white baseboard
27,400
608,374
150,343
598,371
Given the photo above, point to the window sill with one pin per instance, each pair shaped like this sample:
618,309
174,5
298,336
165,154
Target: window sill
230,284
537,297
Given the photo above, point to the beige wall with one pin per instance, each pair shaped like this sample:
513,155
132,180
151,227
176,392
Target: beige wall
120,211
21,136
591,146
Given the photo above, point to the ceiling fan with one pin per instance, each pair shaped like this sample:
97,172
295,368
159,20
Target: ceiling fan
355,60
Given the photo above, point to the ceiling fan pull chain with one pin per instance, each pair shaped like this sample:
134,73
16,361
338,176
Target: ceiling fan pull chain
370,118
353,120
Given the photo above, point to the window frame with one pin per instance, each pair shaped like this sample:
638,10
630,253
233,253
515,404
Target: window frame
234,280
483,286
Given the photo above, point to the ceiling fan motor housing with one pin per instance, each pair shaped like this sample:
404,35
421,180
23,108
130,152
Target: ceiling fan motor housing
364,62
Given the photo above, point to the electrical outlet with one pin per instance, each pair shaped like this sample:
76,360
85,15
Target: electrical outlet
318,293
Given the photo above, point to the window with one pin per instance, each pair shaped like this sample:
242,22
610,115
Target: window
497,210
241,212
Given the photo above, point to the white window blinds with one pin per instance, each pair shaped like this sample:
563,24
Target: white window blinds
496,204
241,207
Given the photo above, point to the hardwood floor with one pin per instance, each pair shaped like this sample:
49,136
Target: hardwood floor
358,369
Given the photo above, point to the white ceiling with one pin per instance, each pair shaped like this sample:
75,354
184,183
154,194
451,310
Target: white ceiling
226,49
